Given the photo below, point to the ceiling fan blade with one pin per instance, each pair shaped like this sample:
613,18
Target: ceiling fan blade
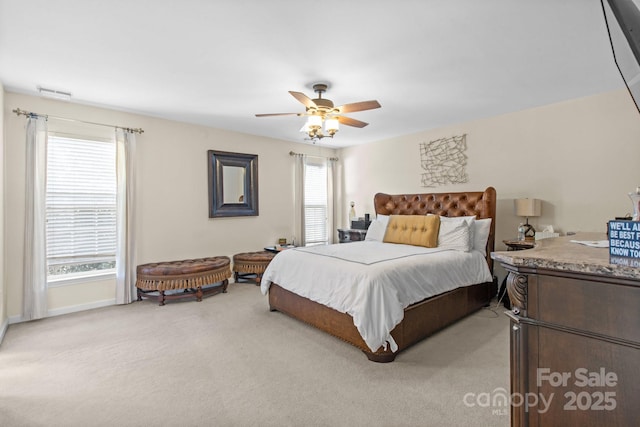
351,122
304,99
277,114
359,106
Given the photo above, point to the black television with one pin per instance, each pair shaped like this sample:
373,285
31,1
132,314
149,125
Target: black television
622,18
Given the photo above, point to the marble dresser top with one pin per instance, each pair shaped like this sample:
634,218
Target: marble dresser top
560,253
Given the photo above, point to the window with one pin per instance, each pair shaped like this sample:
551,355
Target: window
80,207
316,209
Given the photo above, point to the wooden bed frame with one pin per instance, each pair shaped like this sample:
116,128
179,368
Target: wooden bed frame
420,319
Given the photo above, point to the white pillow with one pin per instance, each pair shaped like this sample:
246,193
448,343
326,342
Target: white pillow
469,220
377,228
455,235
482,227
479,231
376,231
383,218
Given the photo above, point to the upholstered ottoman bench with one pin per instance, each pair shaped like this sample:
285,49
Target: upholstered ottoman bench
189,275
251,263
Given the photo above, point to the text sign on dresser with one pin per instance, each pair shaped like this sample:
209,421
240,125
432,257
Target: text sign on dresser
624,243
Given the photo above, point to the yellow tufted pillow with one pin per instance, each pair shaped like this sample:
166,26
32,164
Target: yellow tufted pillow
417,230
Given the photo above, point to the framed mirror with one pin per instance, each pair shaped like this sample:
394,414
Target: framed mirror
233,184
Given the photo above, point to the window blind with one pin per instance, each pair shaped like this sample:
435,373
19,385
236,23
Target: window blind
315,202
80,205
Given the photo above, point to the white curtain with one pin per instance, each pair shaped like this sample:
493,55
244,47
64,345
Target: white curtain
125,223
34,298
332,183
299,201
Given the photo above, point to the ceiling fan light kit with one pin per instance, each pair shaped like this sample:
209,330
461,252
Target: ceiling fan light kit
313,127
321,111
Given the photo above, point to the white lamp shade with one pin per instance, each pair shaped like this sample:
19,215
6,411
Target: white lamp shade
331,124
528,207
314,121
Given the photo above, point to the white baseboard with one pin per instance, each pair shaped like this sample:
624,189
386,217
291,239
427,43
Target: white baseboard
69,309
15,319
3,329
80,307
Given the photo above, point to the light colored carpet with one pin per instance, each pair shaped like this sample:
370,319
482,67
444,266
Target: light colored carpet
228,361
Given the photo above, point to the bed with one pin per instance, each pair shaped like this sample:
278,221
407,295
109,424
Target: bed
358,314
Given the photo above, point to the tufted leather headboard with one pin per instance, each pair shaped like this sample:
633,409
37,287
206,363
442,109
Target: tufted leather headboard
482,204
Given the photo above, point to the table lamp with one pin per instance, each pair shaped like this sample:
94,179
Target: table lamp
528,208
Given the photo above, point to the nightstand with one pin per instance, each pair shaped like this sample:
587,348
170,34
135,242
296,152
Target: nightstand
351,235
512,245
519,245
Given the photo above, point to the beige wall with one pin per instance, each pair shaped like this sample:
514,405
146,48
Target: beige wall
580,157
172,204
3,292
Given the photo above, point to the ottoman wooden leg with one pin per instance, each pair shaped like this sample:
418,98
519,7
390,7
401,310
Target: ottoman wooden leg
139,295
161,297
225,283
199,294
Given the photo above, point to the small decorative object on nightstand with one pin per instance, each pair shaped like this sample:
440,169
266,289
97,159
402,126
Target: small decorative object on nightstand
360,224
635,199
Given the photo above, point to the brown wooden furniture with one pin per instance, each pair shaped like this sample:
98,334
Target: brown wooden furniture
512,245
191,276
251,264
575,334
519,245
423,318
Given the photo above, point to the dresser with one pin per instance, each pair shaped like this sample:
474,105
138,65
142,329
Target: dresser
575,335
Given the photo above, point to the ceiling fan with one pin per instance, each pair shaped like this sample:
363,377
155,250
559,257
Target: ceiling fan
321,110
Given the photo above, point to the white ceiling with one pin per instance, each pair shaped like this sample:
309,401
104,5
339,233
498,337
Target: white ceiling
430,63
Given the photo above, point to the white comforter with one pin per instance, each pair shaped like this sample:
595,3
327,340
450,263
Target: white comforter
372,281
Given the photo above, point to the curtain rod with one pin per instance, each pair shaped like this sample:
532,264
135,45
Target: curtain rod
20,112
293,153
